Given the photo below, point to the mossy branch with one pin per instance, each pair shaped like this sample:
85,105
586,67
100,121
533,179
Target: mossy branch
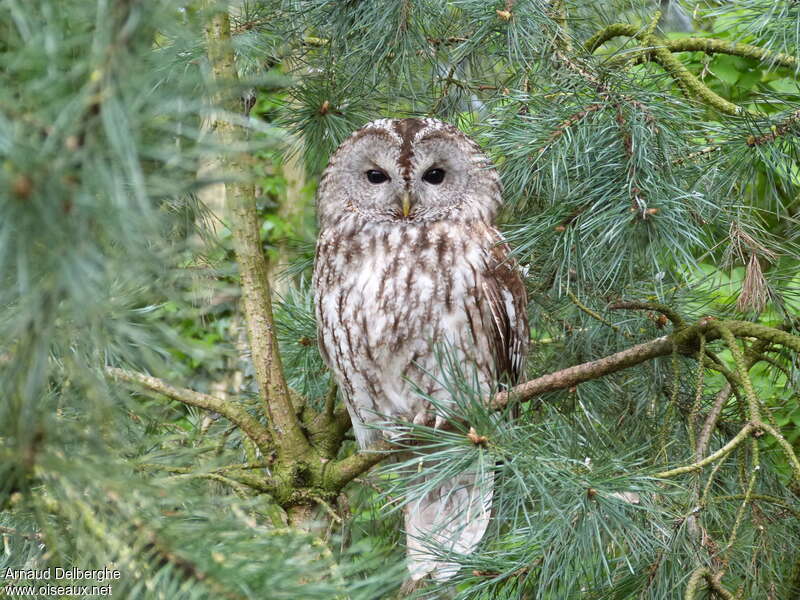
712,581
661,51
694,44
347,469
227,474
715,46
756,424
253,271
752,356
234,413
732,444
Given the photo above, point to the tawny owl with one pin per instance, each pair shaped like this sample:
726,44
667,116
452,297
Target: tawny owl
408,258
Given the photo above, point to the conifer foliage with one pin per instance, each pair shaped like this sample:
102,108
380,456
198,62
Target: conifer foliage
650,165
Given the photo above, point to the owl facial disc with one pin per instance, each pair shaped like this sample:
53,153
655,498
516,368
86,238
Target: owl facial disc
410,172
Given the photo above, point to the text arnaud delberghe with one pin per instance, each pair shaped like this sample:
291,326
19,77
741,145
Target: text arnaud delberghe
103,574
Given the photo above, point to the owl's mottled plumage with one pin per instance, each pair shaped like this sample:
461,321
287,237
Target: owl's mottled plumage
406,261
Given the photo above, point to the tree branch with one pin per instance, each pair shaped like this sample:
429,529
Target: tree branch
347,469
694,44
256,293
711,580
673,316
235,414
572,376
715,46
743,434
711,419
34,537
658,50
684,340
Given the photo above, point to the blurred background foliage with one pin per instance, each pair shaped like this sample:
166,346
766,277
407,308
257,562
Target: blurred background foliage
114,250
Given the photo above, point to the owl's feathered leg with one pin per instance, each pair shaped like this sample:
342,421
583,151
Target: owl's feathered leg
450,518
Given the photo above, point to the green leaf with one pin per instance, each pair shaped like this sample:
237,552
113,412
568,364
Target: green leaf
726,68
785,85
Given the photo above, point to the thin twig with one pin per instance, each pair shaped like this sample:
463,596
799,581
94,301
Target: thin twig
574,118
764,498
711,420
721,453
787,448
34,537
673,316
691,156
597,316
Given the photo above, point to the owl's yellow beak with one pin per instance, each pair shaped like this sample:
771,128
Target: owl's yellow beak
406,204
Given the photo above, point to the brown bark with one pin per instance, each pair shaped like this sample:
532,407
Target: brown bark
253,269
572,376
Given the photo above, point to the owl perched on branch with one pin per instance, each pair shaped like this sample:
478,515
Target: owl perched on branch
408,258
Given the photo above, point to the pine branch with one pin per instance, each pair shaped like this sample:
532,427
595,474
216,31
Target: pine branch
572,376
693,44
121,543
235,414
779,129
715,46
711,419
256,293
241,486
711,580
570,121
34,537
684,341
347,469
658,50
673,316
732,444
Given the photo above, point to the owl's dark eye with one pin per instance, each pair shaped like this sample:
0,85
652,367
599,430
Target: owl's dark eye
376,176
434,176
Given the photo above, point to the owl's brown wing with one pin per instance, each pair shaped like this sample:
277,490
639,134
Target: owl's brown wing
506,323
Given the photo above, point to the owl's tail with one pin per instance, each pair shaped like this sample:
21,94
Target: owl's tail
450,518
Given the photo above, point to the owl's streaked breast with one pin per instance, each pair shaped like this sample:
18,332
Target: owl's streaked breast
386,296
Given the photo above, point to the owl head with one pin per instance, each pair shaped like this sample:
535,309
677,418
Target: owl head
408,171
